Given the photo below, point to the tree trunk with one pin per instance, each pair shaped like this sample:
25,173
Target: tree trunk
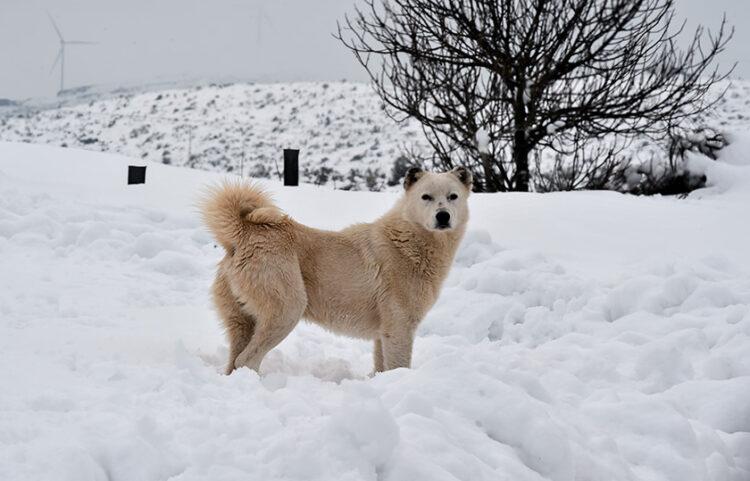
521,147
521,161
489,179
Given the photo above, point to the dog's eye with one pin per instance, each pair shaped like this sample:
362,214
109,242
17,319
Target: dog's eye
453,197
426,197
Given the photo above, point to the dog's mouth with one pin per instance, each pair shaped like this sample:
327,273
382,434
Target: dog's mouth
442,226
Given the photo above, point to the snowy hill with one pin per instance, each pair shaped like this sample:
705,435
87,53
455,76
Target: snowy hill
580,336
346,140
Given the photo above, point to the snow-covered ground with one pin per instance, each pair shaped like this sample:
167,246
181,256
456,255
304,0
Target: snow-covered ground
584,336
344,137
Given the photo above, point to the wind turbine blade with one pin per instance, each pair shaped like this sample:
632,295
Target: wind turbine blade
57,60
81,42
264,16
55,25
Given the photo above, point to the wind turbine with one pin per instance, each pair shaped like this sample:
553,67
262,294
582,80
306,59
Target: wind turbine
260,16
61,53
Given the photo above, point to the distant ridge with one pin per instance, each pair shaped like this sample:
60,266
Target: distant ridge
346,140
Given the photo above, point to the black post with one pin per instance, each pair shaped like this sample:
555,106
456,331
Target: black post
136,174
291,167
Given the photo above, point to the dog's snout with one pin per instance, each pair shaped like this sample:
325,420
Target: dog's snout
443,218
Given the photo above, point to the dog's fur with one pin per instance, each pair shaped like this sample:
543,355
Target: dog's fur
374,281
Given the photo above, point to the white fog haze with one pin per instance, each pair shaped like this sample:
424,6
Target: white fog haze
281,40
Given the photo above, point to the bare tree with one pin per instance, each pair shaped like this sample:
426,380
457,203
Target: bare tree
531,74
590,165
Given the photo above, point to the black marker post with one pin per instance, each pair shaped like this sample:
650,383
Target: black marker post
291,167
136,174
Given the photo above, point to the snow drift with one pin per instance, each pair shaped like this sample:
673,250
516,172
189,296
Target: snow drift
580,336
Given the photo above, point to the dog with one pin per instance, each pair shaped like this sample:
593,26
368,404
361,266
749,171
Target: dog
372,280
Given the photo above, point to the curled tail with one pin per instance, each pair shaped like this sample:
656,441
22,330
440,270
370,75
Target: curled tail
231,208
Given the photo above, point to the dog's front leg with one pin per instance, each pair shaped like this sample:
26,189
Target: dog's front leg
397,347
377,355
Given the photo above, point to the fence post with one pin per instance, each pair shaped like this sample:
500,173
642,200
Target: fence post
136,174
291,167
190,145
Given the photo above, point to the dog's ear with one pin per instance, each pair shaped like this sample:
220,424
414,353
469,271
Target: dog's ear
412,176
463,174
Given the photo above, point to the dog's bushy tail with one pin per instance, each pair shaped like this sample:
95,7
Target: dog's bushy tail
231,208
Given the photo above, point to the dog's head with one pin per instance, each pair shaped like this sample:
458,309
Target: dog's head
437,201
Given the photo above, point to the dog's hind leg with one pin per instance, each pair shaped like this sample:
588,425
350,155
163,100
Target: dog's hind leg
277,310
240,329
239,324
270,330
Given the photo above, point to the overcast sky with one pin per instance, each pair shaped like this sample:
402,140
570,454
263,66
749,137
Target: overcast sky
147,40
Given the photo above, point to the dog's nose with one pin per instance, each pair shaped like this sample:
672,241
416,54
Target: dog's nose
443,218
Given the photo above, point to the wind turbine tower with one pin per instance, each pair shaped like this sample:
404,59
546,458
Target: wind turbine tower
61,53
261,18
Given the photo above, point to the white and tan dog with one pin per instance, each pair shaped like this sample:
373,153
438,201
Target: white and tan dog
374,281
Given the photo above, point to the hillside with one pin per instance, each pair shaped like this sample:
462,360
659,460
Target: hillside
580,336
346,140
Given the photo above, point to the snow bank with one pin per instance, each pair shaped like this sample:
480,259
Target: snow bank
580,336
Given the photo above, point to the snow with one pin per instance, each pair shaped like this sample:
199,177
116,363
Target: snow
345,138
580,336
554,126
483,141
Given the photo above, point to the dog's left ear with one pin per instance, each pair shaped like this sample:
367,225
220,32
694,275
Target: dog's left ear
463,174
412,176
